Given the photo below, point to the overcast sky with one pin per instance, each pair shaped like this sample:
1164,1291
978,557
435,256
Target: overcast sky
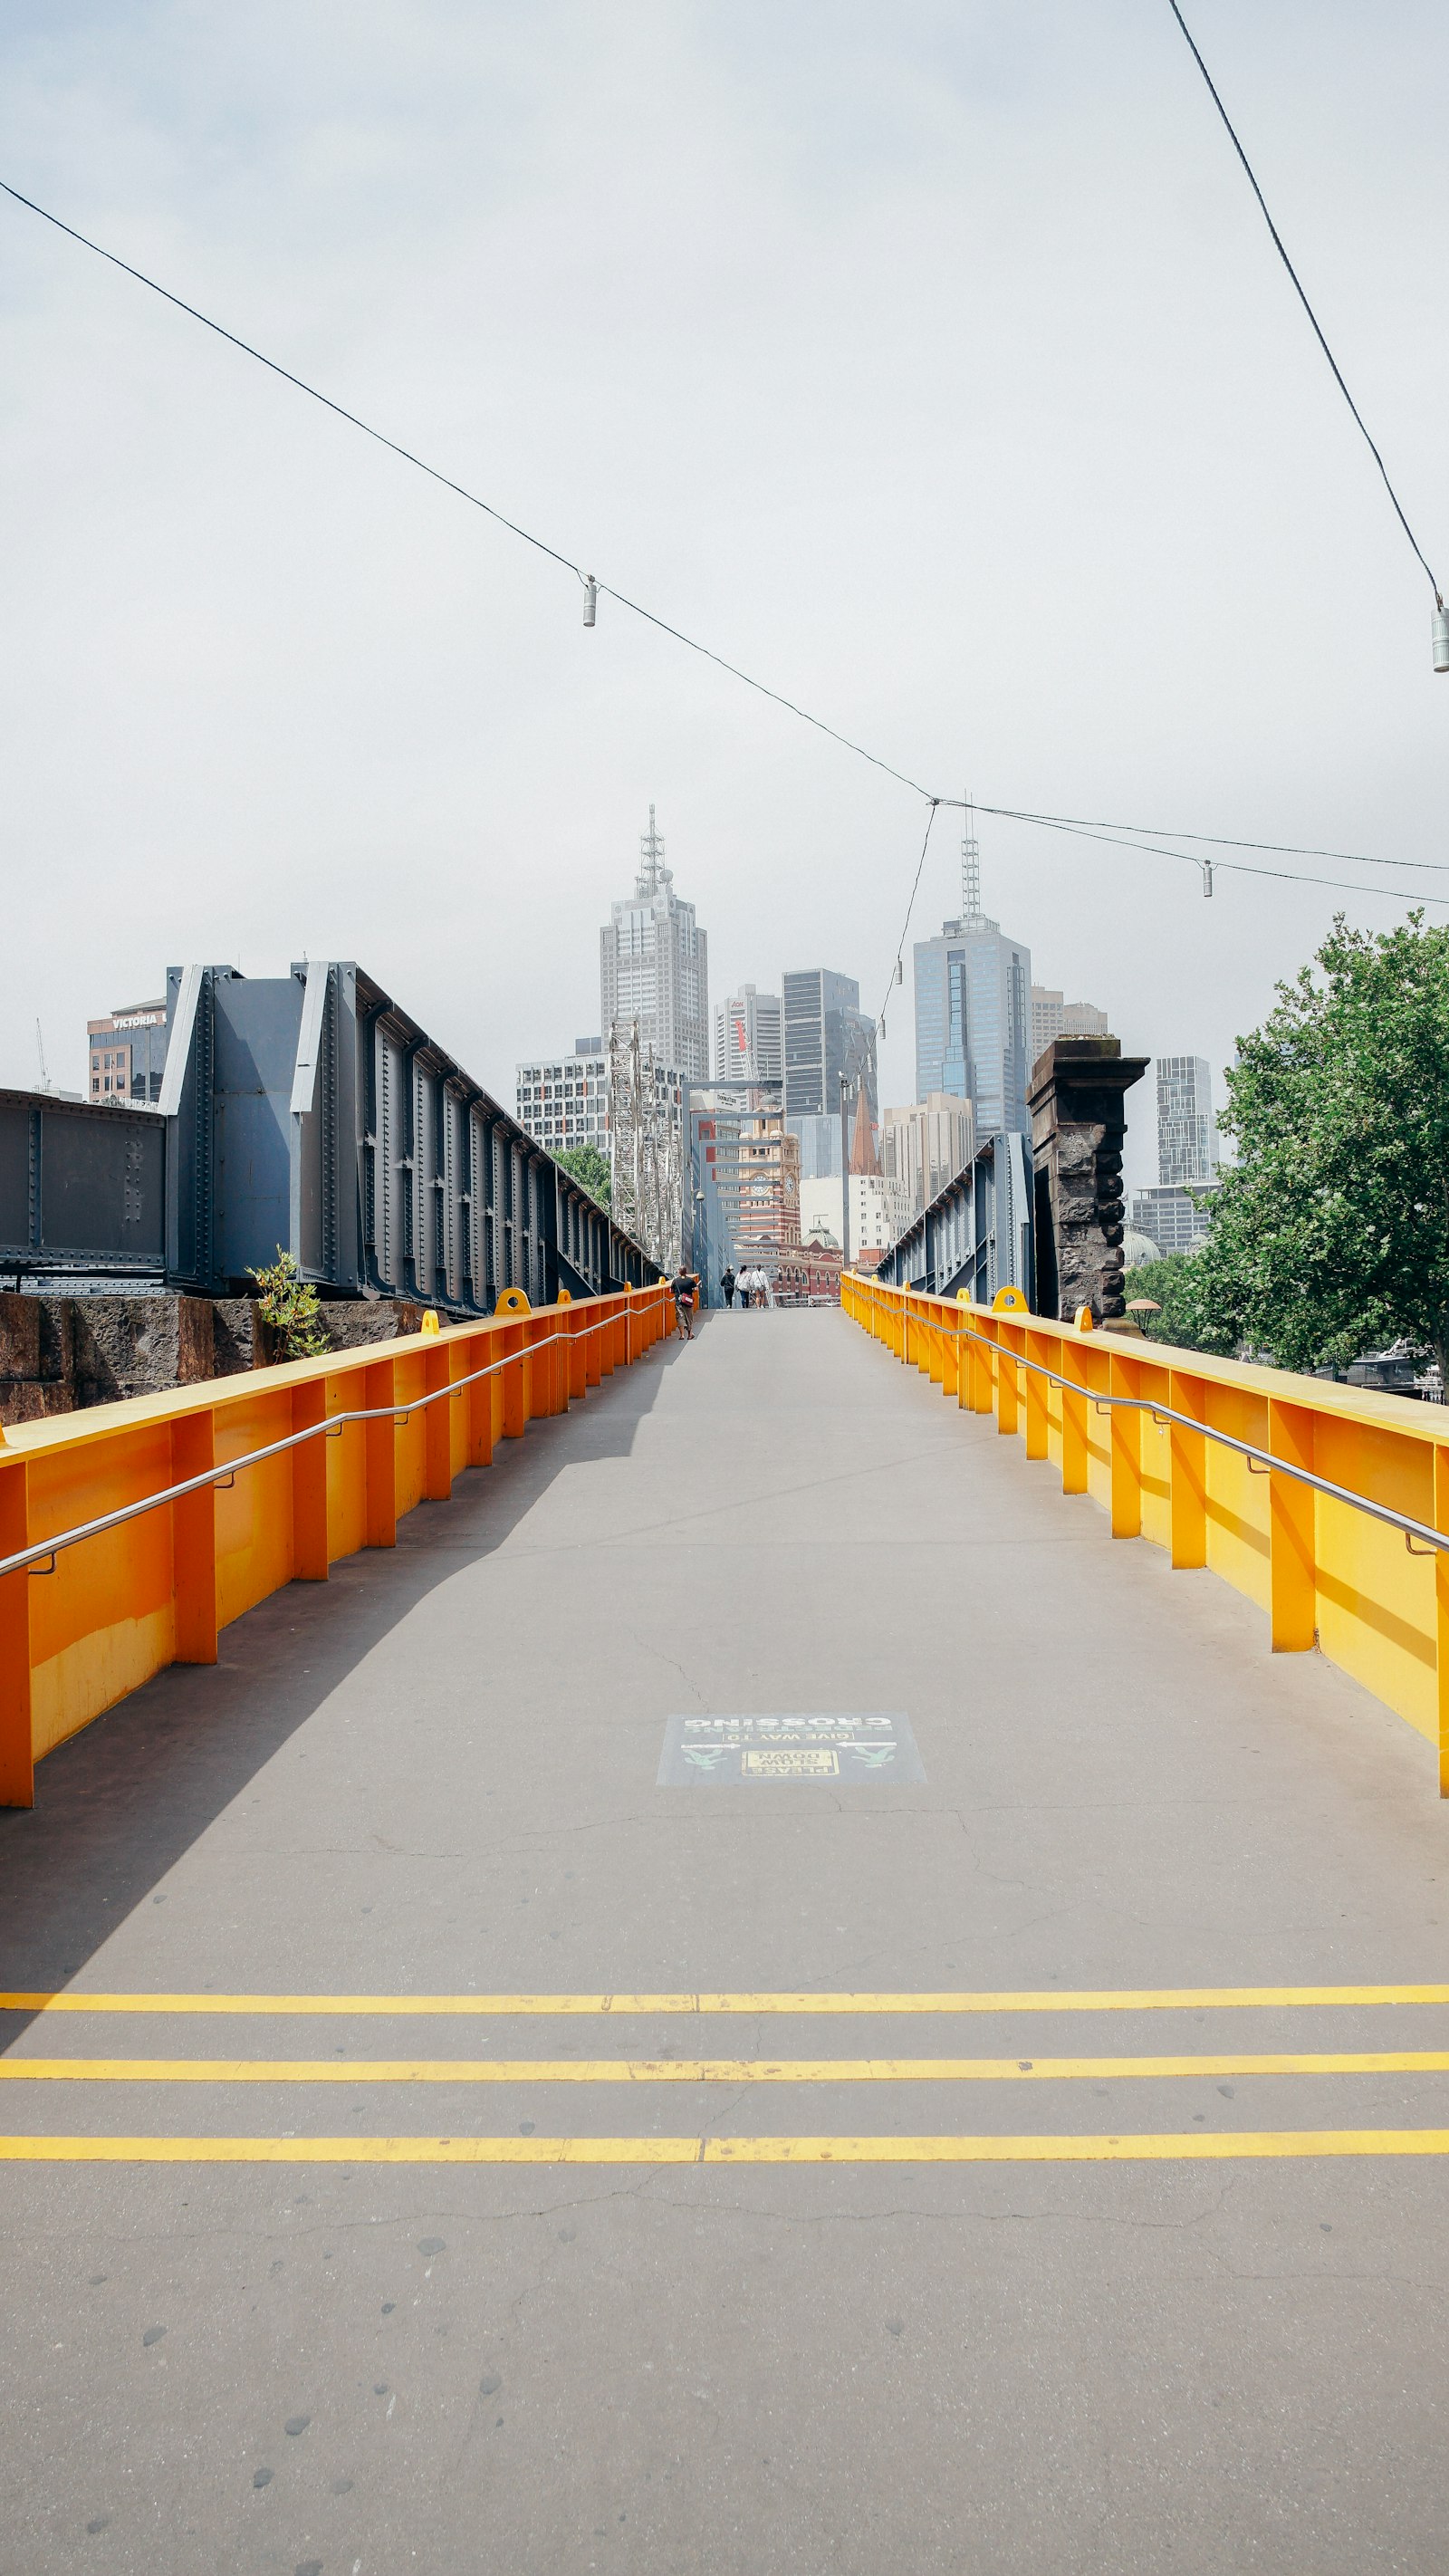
931,361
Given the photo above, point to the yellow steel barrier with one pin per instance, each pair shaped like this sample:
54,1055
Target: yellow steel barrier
82,1626
1118,1417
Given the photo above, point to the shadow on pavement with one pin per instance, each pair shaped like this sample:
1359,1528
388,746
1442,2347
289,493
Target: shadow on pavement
118,1805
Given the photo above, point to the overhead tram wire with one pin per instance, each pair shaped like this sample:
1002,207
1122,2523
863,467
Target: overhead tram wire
1279,246
791,706
936,803
1237,867
1211,840
394,445
277,369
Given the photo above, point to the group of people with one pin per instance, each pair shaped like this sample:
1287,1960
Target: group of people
751,1286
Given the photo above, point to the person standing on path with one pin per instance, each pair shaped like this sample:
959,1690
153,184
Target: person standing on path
685,1285
727,1283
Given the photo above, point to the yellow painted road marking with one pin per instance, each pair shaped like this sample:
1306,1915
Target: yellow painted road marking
1130,1999
708,2070
1196,2146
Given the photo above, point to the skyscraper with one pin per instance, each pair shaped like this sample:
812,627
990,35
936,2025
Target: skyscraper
1176,1215
973,1010
653,967
826,1034
748,1038
1187,1135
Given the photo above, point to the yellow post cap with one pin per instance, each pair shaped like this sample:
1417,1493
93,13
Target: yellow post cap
1082,1320
1009,1301
513,1301
430,1322
565,1297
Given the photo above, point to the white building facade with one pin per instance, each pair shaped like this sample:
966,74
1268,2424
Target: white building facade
880,1210
749,1044
564,1100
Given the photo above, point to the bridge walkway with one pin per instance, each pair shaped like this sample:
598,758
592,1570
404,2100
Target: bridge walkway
435,1778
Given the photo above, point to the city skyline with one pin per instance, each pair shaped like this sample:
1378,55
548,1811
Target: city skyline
969,967
233,738
979,1024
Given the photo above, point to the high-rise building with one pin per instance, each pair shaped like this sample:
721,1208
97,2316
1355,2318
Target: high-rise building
826,1035
973,1010
127,1050
1053,1016
926,1145
1187,1135
1176,1214
653,967
564,1100
748,1038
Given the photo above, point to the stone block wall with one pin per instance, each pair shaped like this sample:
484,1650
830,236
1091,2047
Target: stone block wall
60,1354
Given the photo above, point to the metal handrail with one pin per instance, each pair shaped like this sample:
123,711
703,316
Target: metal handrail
328,1428
1433,1540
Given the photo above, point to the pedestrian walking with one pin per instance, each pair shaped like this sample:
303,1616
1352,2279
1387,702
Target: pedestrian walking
727,1283
744,1287
685,1285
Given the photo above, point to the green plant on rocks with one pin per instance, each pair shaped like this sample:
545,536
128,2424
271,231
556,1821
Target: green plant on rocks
288,1304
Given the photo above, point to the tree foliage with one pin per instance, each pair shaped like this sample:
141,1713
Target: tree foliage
589,1167
1330,1234
1188,1317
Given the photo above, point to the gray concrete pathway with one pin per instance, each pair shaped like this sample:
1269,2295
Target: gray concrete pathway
435,1777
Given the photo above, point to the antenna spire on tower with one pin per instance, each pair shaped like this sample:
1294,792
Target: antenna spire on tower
651,852
970,868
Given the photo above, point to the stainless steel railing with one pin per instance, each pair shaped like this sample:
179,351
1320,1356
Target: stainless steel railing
329,1429
1260,1461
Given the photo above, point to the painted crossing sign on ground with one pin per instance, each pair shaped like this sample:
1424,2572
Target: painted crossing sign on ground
845,1748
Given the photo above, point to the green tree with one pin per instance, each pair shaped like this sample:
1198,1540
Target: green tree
1188,1315
588,1166
289,1304
1330,1234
